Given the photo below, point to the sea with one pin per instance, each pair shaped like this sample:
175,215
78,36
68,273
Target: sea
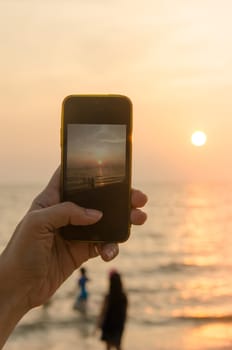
176,270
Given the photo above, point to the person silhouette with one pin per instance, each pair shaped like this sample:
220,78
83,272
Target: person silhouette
113,313
82,296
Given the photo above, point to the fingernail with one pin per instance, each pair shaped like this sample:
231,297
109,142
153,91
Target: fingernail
96,249
94,213
110,251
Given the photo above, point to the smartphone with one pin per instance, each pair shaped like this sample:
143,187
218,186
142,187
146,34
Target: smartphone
96,143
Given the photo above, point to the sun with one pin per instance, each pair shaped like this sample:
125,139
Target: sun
199,138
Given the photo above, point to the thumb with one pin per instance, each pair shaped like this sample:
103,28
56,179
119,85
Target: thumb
62,214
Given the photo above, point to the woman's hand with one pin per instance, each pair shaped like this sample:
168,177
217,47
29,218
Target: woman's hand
37,260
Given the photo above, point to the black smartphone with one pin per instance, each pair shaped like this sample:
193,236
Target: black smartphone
96,142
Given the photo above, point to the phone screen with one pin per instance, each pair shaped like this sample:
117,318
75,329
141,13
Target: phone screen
96,164
96,156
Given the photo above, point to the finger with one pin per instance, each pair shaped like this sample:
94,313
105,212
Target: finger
50,195
63,214
138,217
54,182
138,199
107,251
81,251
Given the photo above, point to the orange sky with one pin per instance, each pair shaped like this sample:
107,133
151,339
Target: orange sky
173,58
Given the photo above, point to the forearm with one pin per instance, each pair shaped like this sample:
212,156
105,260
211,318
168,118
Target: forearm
9,317
13,304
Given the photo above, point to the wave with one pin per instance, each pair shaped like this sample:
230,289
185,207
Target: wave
44,323
205,318
179,266
176,266
165,321
89,323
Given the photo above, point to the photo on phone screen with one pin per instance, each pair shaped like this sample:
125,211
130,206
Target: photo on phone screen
96,156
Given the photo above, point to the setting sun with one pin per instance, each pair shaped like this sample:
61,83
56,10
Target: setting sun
199,138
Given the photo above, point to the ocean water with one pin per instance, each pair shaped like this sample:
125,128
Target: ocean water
176,269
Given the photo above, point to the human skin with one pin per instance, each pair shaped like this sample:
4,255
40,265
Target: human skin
37,260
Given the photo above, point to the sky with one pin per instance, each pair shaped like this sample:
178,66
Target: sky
94,145
173,58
